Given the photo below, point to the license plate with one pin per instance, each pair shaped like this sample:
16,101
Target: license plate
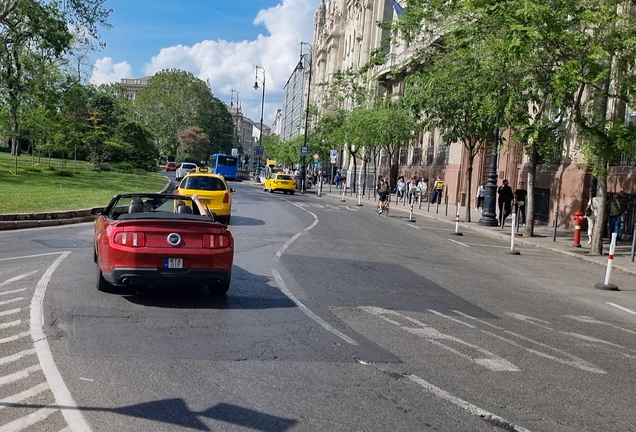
205,201
173,263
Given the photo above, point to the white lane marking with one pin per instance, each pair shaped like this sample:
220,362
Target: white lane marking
622,308
66,429
285,246
467,406
590,320
10,312
492,362
308,312
333,207
15,300
10,324
30,256
14,337
72,415
17,278
451,318
315,221
575,361
19,397
24,373
596,340
529,320
352,209
318,205
414,226
28,420
16,357
459,243
13,291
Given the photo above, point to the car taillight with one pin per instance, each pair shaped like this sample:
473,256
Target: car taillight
226,198
131,239
215,241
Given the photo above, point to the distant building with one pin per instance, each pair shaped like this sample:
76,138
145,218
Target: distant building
133,85
294,101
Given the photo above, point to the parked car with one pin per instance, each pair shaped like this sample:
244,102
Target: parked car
152,240
185,169
213,192
171,166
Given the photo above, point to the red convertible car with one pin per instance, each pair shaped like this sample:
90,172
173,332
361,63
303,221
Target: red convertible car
159,240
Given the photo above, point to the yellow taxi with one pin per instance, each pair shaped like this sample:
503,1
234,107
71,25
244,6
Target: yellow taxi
212,190
280,182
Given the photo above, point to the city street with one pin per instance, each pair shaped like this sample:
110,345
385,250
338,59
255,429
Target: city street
337,319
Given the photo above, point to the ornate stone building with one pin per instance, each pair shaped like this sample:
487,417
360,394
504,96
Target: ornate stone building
346,33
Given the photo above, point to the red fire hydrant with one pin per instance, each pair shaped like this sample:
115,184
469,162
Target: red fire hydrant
578,217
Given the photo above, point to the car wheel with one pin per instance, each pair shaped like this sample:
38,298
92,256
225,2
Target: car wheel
271,190
291,192
102,284
220,288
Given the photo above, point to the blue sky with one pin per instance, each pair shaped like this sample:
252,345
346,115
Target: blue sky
219,41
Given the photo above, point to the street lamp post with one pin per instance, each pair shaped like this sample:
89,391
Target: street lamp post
488,215
260,135
303,172
236,117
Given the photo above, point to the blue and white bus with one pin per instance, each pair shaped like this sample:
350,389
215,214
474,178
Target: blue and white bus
225,165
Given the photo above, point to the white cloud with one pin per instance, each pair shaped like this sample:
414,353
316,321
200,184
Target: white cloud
105,71
230,65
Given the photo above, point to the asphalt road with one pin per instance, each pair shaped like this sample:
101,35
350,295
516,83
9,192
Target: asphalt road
337,319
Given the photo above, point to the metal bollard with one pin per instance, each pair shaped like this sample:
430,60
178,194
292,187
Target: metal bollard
410,219
446,199
556,223
633,242
513,228
428,203
344,190
608,286
359,198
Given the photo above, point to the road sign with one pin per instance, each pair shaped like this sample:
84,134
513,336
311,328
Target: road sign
333,155
316,156
315,164
304,150
234,152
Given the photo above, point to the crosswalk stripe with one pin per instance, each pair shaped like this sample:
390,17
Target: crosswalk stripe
14,337
28,420
5,302
10,324
17,278
16,357
10,312
24,373
6,402
12,291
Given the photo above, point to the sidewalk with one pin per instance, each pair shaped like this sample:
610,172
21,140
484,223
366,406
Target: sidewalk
543,234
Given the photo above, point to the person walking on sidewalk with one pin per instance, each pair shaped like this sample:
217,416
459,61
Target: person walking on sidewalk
423,185
505,202
399,189
521,195
590,214
481,194
617,207
438,189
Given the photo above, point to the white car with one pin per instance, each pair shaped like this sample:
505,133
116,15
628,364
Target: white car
185,169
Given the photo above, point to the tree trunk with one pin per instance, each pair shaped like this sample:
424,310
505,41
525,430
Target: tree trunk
599,224
532,173
469,182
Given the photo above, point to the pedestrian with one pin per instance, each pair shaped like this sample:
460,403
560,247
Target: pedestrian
481,194
423,185
337,179
399,189
521,195
617,207
591,211
505,202
411,185
438,189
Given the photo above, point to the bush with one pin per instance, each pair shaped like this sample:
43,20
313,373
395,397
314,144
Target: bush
50,168
126,167
103,167
64,173
33,169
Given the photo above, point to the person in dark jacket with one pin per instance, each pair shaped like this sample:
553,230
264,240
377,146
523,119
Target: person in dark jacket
521,195
505,202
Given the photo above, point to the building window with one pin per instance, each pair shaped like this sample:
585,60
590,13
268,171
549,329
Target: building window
404,156
417,156
442,155
430,155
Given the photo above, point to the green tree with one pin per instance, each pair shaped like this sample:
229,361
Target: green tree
194,145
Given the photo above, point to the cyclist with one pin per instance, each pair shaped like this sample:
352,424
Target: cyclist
383,192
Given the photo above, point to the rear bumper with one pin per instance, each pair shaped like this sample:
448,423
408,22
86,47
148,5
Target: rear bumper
166,277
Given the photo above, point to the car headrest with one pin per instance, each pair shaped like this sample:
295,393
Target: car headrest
136,208
184,209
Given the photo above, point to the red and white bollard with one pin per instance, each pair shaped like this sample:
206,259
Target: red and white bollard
607,285
457,233
578,217
410,219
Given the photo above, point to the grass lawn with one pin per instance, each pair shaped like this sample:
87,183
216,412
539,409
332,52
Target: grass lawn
31,191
